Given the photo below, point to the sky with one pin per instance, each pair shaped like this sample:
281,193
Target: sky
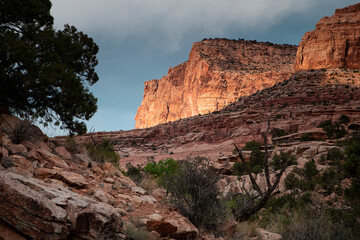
140,39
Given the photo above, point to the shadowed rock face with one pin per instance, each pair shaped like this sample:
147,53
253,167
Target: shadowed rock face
217,73
335,42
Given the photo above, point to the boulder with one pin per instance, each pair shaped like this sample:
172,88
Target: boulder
185,229
18,149
30,212
40,210
63,153
164,228
266,235
71,178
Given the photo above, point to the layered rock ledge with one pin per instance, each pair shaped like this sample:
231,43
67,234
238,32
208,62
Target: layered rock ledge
218,72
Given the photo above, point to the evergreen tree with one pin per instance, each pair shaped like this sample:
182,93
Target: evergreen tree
45,73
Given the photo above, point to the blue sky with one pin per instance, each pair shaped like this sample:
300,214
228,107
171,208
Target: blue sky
140,39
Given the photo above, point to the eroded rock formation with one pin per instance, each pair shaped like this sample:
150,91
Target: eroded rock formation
55,191
217,73
335,42
297,104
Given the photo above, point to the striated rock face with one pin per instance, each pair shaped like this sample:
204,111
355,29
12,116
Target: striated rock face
217,73
295,105
335,42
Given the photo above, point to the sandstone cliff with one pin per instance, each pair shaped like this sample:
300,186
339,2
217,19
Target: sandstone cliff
217,73
335,42
297,104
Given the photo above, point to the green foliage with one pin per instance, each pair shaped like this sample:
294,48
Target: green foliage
278,132
194,192
336,130
239,169
45,73
136,233
283,158
158,170
103,152
352,162
310,170
71,144
291,181
256,156
329,180
344,119
134,172
252,145
351,168
335,156
276,204
306,137
298,219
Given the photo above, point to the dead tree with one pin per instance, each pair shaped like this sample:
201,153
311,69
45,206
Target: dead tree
256,202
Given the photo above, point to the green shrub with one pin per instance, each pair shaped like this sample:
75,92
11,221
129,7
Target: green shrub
136,233
70,144
252,145
336,130
306,137
335,156
103,152
310,170
239,169
306,185
194,192
329,180
313,224
277,132
283,158
157,170
291,181
134,172
299,219
344,119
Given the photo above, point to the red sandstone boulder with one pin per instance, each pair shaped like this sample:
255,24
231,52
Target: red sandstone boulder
40,210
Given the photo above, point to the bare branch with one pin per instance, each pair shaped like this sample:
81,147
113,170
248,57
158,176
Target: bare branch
266,160
256,186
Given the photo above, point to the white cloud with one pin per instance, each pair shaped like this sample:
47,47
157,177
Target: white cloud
169,21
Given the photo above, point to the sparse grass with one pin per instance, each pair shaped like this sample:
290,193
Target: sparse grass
136,233
149,183
246,230
103,152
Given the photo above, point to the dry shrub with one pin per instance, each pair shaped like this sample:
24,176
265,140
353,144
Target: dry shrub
149,183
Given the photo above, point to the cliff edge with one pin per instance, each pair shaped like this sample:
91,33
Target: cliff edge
218,72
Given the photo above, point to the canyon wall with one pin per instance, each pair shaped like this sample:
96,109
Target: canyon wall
335,42
218,72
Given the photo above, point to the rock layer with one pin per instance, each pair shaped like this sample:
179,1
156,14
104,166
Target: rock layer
217,73
335,42
297,104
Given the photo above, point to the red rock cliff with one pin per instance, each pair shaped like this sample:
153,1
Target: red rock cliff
217,73
335,42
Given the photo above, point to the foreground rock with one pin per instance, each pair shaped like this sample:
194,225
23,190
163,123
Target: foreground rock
335,42
41,210
218,72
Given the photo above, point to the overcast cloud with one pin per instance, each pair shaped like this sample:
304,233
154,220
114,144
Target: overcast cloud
169,21
140,39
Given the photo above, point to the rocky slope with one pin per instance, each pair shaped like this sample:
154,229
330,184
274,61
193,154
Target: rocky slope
335,42
53,191
218,72
297,104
